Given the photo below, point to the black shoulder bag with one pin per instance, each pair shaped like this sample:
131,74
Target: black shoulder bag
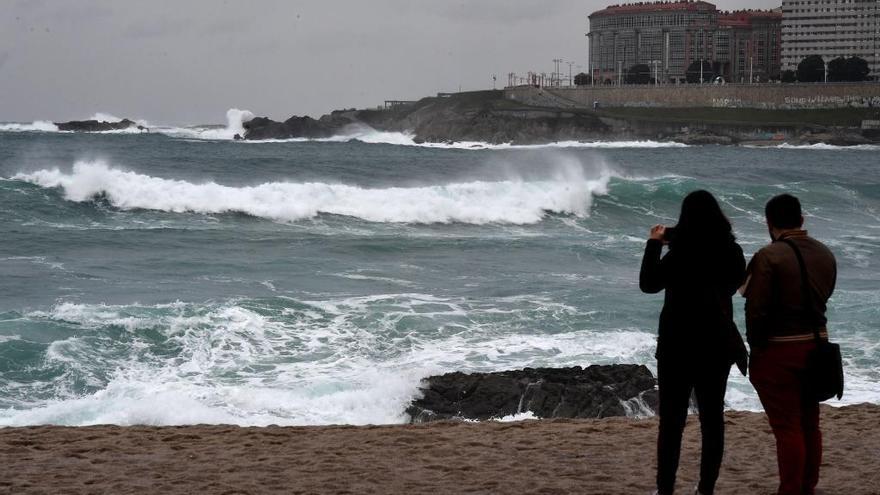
824,378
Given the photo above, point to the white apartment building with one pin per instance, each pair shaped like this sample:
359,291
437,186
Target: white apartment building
831,29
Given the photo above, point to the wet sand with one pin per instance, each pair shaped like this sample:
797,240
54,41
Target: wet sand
607,456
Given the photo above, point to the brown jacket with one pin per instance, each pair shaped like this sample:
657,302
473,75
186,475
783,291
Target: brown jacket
774,301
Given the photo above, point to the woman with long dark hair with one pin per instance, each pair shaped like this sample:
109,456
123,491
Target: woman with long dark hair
698,340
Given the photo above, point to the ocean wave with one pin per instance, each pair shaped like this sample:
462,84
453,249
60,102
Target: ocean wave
567,190
368,135
824,146
35,126
285,362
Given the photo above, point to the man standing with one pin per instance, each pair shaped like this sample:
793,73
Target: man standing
781,326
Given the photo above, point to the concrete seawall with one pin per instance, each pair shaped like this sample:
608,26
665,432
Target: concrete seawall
759,96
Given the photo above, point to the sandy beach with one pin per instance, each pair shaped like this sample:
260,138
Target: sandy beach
607,456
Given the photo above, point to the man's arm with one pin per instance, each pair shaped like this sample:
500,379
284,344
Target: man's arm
759,298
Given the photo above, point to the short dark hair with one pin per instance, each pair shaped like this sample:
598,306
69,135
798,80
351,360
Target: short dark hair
784,212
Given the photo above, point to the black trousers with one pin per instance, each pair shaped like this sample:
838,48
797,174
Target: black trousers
676,378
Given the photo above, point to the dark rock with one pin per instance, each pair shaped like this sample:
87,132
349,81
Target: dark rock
700,138
296,127
592,392
97,126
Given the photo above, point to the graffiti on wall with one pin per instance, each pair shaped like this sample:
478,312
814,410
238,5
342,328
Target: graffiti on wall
822,101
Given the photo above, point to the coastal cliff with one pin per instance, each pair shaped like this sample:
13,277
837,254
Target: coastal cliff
491,117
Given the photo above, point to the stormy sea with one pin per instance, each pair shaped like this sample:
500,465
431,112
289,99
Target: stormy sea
178,276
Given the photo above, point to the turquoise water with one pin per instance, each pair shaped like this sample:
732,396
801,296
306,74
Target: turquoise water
166,279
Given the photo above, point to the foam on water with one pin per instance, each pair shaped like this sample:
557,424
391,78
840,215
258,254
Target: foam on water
330,361
36,126
568,190
368,135
311,363
828,147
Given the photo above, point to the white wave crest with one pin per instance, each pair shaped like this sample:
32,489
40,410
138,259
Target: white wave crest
568,190
369,135
828,147
36,126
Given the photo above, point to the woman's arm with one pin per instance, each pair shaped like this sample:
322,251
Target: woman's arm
651,277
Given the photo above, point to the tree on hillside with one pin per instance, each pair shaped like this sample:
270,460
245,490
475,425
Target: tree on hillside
857,69
693,72
582,79
789,76
811,69
638,74
837,70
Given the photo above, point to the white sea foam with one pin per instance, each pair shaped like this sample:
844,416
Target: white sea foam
568,189
314,362
368,135
828,147
36,126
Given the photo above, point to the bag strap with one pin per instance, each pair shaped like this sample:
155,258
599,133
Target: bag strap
805,289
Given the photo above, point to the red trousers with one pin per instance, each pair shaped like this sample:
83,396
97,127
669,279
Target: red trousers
777,372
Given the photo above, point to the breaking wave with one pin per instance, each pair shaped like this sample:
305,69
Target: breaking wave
371,136
35,126
828,147
568,189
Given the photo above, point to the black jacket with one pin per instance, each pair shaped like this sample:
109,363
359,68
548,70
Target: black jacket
697,317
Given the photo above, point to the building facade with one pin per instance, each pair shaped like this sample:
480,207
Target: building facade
669,36
831,29
665,36
748,45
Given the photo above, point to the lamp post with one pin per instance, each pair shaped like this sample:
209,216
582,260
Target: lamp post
751,71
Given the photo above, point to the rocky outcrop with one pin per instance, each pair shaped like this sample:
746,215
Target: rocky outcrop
260,128
97,125
484,116
592,392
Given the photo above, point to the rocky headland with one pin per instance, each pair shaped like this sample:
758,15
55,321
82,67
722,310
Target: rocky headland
490,117
593,392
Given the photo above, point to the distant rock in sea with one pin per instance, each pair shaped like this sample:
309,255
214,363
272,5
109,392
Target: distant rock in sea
594,392
97,125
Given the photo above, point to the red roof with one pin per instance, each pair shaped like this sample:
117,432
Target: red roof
743,18
629,8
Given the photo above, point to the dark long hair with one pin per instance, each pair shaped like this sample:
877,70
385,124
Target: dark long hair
701,222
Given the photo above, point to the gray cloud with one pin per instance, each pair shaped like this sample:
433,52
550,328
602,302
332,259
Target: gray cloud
187,62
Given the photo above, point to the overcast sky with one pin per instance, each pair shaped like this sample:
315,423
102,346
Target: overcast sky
188,61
